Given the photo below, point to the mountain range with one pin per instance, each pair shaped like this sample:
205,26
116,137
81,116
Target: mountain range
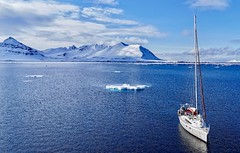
13,50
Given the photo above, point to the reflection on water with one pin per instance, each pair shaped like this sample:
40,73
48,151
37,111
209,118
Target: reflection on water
192,143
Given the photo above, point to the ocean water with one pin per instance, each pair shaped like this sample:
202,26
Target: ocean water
64,107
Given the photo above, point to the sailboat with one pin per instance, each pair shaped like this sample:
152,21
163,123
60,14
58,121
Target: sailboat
189,117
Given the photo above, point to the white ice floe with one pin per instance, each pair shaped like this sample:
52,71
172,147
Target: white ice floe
117,71
34,76
126,87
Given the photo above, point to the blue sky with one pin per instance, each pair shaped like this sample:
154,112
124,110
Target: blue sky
163,26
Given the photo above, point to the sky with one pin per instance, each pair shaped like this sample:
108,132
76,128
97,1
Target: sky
165,27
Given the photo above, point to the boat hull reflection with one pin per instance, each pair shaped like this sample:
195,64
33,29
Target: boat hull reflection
192,143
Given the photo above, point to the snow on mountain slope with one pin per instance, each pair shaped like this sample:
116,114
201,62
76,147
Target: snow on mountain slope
87,51
122,51
96,52
59,52
11,49
73,53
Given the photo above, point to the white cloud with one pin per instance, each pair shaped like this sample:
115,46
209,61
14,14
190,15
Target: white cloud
209,4
43,24
223,54
145,30
104,15
109,2
128,40
135,40
38,7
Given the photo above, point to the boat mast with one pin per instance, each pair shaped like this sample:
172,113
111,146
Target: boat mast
196,60
198,70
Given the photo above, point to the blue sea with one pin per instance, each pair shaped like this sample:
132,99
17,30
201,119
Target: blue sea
65,107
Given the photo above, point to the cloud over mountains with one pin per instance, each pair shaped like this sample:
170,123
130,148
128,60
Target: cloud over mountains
224,54
53,23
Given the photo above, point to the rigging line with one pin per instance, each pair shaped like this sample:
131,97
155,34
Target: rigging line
199,69
201,88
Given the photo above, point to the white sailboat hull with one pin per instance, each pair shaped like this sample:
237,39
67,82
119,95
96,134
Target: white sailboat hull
199,132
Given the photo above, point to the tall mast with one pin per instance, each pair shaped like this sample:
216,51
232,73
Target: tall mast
198,70
196,60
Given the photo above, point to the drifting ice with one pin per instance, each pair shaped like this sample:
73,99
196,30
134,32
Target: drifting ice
117,71
126,87
34,76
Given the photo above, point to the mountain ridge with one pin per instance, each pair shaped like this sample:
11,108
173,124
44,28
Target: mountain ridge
12,49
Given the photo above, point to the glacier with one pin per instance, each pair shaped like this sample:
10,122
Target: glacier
13,50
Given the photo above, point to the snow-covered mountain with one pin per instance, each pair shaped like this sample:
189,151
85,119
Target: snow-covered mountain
11,49
96,52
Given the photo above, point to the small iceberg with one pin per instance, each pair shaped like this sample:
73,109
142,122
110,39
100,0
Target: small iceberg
34,76
126,87
117,71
